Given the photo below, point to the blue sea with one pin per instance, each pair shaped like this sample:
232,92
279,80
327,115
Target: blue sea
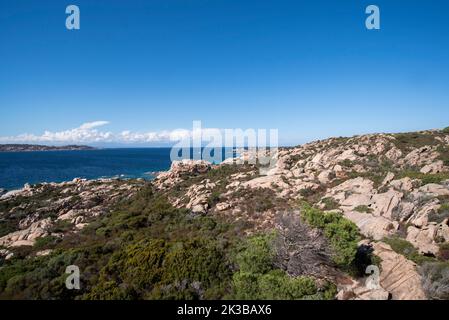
18,168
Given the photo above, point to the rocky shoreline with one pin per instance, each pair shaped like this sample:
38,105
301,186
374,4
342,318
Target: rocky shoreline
393,187
42,206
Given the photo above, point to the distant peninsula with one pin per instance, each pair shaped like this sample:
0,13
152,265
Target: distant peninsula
35,147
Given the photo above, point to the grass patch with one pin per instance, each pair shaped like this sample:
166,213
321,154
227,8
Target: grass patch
406,249
347,163
426,178
363,209
330,203
412,140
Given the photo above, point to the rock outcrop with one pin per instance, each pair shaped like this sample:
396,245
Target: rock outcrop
77,202
388,185
399,275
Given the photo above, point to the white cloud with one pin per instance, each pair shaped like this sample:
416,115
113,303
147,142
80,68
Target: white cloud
91,125
90,133
85,133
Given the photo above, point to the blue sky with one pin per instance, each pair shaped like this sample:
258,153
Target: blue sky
308,68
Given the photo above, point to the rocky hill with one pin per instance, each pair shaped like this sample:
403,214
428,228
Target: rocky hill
307,230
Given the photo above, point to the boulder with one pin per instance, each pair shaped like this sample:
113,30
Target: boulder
200,209
435,189
27,236
404,184
443,231
383,204
435,167
420,157
222,206
389,177
375,227
423,239
326,176
398,275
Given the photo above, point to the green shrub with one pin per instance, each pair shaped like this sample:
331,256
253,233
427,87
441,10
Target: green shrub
258,279
143,249
307,192
214,198
277,285
257,254
45,242
347,163
330,203
342,234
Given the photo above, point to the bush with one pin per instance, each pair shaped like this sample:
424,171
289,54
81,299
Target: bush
306,192
257,255
435,280
143,249
45,242
158,269
277,285
342,234
329,203
258,279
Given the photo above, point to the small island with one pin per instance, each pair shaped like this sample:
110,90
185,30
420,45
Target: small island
35,147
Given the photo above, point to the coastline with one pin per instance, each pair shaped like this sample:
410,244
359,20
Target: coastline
38,148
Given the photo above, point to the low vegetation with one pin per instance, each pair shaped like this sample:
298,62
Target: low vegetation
405,248
441,214
435,280
147,249
342,234
410,140
257,278
329,203
363,209
426,178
